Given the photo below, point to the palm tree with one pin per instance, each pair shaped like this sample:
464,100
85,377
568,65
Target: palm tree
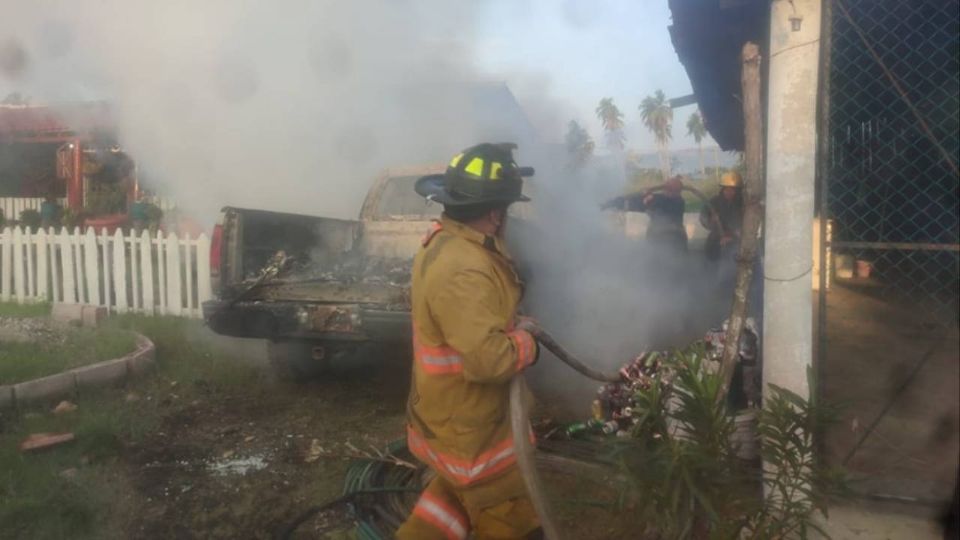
657,115
696,128
579,143
612,120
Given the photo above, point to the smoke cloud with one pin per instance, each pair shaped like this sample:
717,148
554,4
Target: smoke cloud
605,296
289,105
296,105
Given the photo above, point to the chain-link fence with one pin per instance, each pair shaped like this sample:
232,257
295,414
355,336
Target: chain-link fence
890,189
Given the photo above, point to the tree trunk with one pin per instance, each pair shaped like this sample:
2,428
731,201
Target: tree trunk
664,155
666,161
753,208
716,162
703,172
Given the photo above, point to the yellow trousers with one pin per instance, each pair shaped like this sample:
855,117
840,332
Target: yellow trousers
495,509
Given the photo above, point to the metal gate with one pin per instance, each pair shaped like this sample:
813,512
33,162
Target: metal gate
889,186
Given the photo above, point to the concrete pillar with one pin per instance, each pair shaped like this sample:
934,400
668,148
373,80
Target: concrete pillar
791,151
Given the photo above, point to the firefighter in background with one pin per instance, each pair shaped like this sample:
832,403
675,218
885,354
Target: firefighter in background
723,218
468,344
665,210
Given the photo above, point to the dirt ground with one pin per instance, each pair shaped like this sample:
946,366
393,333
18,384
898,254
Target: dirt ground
235,464
874,346
240,460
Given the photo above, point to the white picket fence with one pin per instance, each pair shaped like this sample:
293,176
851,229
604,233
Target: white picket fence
142,273
13,206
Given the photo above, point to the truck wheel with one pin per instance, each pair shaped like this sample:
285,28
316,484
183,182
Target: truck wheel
297,360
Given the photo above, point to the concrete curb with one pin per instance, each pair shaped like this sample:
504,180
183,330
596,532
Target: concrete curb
81,378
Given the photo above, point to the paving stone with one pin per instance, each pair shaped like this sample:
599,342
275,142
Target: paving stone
93,315
67,313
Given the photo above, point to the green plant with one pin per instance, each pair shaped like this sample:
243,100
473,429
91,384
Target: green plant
154,213
612,119
682,465
30,219
72,218
579,144
106,199
657,116
797,485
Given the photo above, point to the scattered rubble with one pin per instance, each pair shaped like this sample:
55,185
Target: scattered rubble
314,452
238,466
30,330
613,410
392,271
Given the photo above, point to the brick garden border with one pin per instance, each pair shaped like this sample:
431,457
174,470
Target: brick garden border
73,381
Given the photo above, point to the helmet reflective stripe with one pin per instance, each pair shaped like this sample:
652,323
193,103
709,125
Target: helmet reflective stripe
495,169
455,160
475,167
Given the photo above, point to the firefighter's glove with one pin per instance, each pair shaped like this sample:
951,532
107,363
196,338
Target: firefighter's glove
530,325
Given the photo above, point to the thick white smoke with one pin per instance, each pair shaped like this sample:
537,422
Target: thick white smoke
295,105
288,105
605,296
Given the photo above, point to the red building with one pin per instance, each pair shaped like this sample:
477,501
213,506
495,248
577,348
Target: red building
63,132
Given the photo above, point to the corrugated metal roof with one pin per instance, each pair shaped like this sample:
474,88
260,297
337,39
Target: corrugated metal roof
708,36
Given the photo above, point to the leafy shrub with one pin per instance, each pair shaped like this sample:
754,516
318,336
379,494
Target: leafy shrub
106,199
154,213
30,219
684,471
72,218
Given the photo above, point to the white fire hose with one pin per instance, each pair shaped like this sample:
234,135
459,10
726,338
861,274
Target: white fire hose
520,424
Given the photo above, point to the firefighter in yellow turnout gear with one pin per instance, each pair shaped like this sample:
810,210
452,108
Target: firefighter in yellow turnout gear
468,344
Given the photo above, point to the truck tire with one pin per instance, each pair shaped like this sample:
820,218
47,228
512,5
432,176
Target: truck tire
297,360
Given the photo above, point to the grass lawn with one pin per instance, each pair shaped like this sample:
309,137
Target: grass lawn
10,309
79,346
71,491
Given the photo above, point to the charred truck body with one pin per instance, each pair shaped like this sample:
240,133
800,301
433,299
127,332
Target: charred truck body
319,288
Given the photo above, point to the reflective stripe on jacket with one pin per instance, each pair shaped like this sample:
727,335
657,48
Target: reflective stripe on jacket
464,298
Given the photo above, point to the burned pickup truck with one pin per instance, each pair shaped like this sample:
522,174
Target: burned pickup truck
320,288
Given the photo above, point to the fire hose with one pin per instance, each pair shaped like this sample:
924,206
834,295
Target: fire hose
387,487
714,215
520,424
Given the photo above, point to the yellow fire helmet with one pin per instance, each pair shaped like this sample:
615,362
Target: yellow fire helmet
481,173
730,179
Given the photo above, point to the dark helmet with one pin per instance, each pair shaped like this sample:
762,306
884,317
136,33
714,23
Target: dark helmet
480,174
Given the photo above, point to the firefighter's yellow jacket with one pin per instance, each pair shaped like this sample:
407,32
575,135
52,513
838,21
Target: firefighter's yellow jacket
465,293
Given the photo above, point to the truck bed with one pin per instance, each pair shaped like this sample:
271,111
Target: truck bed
294,276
